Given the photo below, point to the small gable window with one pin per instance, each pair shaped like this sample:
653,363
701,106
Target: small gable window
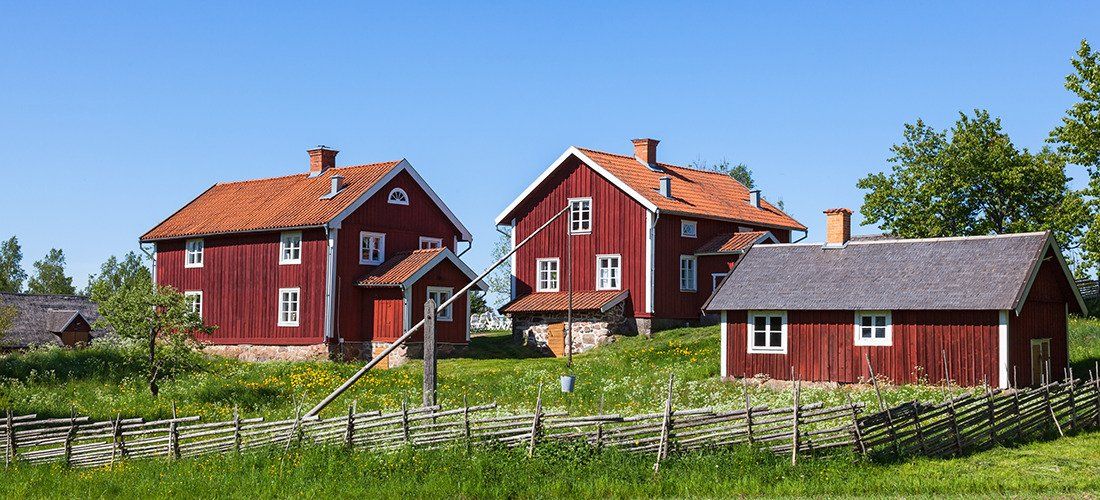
193,253
290,247
372,248
398,196
767,332
427,242
580,215
439,295
689,229
874,328
688,273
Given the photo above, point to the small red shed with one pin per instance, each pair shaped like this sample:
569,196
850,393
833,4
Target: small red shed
993,308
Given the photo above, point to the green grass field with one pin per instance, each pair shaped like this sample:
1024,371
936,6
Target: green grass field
628,376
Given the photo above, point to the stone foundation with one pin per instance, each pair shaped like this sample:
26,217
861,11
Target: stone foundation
247,352
343,351
590,328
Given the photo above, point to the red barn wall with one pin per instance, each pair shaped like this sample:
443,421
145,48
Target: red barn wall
384,312
820,347
618,227
669,301
240,280
1043,316
403,226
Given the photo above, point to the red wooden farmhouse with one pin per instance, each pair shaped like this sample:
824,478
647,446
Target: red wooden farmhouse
643,242
993,308
333,261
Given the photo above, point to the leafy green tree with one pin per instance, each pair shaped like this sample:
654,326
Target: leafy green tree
971,180
740,172
12,274
49,277
1078,138
477,303
500,280
115,275
159,318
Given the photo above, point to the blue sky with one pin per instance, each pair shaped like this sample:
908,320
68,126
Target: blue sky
113,117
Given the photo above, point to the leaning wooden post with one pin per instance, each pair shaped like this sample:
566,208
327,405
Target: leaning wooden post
794,419
9,435
349,430
69,438
919,428
748,410
992,418
292,437
429,353
405,420
860,447
466,422
118,447
236,429
882,404
1096,391
1016,404
1072,400
1050,408
666,423
535,422
173,436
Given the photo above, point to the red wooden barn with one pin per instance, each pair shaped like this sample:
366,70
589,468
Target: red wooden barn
644,243
994,308
333,261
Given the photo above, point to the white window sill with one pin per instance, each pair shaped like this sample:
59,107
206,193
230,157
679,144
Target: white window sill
288,324
760,350
289,262
874,343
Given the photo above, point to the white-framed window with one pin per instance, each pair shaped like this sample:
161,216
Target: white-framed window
398,196
547,279
716,279
427,242
609,272
689,229
192,253
580,215
194,300
874,328
372,247
288,306
440,295
290,247
688,273
767,332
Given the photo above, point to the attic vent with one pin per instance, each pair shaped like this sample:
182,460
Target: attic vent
754,198
666,186
335,189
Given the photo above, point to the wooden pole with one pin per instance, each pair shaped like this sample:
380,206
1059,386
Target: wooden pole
946,373
882,405
860,447
990,410
116,438
1072,399
349,430
429,353
666,423
1050,408
794,419
1016,408
954,425
236,429
466,422
405,420
569,296
1096,390
535,422
748,410
919,428
69,438
9,453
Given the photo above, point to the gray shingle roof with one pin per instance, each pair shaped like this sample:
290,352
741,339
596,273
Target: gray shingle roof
974,273
38,315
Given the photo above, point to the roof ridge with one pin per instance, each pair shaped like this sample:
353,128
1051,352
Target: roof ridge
949,238
27,294
278,177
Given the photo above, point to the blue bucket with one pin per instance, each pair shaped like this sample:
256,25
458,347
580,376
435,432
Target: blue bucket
567,382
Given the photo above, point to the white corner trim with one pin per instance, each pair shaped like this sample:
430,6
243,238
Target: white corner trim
651,234
723,353
330,284
1051,244
512,263
1002,349
407,306
573,151
468,317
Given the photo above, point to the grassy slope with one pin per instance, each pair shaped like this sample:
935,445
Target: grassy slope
629,375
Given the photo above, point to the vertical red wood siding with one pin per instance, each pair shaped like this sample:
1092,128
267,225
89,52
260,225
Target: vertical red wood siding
384,308
820,347
669,301
403,226
240,280
618,227
1042,317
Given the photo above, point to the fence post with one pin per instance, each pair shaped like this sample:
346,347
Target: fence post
666,422
794,420
882,405
236,429
748,410
860,447
992,417
429,353
117,448
69,438
535,423
9,451
349,431
1096,390
1016,410
1050,409
1072,399
405,420
919,428
173,436
466,422
954,425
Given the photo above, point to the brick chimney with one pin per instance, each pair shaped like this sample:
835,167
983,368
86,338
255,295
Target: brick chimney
321,158
838,227
646,151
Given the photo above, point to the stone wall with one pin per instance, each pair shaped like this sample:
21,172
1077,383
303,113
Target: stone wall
590,328
343,351
246,352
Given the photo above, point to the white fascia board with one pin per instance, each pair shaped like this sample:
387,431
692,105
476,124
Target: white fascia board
723,344
402,166
512,263
650,244
1002,349
330,283
573,151
1050,244
446,254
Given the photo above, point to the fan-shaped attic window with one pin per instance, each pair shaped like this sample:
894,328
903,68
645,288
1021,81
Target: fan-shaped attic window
398,197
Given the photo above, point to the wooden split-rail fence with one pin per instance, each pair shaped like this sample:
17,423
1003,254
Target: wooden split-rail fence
960,424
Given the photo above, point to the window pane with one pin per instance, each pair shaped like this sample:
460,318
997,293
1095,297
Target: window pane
865,332
880,332
760,323
865,320
759,338
777,323
777,339
880,320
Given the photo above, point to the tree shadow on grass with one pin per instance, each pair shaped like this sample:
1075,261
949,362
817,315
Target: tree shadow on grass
498,345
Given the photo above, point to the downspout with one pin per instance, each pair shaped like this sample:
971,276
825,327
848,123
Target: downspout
805,233
469,245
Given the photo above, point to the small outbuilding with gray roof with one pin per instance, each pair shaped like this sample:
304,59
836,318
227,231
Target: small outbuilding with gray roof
988,308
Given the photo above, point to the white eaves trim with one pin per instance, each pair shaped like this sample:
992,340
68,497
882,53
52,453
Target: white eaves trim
573,151
767,236
402,166
447,254
1021,298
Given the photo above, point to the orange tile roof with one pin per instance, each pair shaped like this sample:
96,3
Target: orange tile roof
730,242
398,268
559,301
695,192
267,204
